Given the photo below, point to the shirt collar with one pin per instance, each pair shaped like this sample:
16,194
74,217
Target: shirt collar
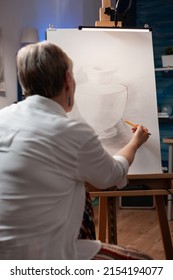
45,104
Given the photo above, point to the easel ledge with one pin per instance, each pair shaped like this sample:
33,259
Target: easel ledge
141,29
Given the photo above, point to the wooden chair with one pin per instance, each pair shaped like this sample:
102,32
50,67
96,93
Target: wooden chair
159,186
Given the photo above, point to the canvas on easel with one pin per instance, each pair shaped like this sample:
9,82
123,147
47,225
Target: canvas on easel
114,73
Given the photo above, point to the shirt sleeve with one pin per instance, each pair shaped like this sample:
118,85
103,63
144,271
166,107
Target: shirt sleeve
99,168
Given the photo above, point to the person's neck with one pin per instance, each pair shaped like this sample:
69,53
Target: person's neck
61,100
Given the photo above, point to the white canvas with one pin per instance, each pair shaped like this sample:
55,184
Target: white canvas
115,77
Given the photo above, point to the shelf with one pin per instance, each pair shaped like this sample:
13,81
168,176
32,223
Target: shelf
166,119
164,69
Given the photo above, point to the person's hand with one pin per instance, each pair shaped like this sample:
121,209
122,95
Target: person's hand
140,135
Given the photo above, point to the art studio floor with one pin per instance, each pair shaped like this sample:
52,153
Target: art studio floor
139,229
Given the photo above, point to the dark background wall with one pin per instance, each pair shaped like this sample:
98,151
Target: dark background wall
158,14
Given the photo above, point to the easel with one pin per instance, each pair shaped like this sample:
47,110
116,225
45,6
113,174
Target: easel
106,16
169,141
160,186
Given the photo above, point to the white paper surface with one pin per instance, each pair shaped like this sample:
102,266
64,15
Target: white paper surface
115,77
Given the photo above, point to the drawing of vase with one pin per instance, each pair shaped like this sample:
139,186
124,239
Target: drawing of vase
101,100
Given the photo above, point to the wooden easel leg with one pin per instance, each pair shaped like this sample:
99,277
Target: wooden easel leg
164,227
102,218
112,220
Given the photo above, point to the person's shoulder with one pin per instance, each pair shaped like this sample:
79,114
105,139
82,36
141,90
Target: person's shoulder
8,108
81,125
80,129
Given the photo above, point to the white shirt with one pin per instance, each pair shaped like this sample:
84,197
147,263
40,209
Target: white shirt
45,158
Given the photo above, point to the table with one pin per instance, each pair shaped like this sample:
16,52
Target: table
159,186
169,141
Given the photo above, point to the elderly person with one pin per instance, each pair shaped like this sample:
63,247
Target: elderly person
45,159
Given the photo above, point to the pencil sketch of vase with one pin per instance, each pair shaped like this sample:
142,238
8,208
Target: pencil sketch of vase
2,81
101,101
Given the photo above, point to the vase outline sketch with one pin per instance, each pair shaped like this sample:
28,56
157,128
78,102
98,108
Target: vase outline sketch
101,101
